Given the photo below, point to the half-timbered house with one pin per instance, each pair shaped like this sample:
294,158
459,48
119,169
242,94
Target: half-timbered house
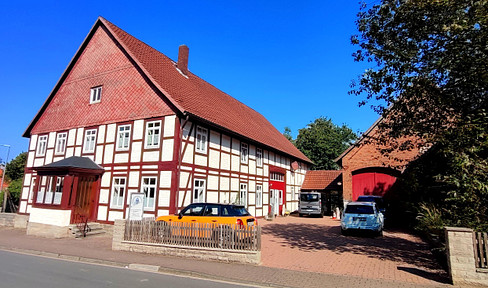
125,118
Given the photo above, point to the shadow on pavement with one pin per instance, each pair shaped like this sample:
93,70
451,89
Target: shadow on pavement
312,237
426,274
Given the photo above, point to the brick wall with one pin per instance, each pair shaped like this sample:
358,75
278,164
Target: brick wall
460,255
367,155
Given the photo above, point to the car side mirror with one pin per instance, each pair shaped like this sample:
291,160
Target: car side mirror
180,215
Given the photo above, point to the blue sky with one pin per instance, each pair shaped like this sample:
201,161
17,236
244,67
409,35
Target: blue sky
289,60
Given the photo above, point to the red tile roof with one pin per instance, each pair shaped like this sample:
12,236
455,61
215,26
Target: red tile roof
193,96
321,179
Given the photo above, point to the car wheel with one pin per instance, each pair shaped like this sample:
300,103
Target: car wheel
343,232
380,233
300,214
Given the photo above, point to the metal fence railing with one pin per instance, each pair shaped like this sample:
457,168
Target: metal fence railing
201,235
480,242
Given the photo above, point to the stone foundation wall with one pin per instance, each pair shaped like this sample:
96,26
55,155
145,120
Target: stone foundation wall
460,255
13,220
48,231
118,243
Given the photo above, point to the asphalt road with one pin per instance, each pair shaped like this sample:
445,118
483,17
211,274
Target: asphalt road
20,270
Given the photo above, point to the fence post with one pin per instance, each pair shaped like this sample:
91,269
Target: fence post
461,257
118,234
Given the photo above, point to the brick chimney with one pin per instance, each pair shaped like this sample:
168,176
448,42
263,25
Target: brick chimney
183,59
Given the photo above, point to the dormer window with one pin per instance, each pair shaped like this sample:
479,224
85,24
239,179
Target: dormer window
95,94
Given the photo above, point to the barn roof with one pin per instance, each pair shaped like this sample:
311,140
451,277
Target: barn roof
322,179
191,95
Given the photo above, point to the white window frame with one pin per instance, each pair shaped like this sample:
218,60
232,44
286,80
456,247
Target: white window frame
199,190
146,189
118,188
42,145
275,176
61,140
244,153
123,137
259,195
259,157
243,194
90,138
153,134
96,94
201,140
58,192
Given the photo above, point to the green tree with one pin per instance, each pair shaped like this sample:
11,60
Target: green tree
287,134
15,168
429,62
322,141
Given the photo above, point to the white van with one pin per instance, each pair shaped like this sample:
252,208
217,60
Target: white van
311,204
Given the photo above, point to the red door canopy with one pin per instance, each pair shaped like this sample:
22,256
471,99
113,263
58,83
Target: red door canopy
371,183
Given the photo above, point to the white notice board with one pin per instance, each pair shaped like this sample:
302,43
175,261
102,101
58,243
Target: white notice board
136,207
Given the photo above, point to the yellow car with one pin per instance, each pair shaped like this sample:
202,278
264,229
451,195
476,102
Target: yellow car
213,213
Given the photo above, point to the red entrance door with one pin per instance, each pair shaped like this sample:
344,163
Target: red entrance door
277,183
371,183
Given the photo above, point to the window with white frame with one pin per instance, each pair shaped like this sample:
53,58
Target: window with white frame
90,140
259,195
118,192
259,157
198,190
60,143
148,187
123,137
52,192
201,140
244,153
277,176
41,145
243,194
153,132
58,192
95,94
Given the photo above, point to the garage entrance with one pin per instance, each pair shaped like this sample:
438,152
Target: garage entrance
373,181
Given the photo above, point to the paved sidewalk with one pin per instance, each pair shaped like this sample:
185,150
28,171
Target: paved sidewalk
98,250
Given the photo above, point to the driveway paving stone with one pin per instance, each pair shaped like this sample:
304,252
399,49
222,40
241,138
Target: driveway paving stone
291,257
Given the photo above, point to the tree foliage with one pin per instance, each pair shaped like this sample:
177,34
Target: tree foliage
15,168
322,141
429,72
287,134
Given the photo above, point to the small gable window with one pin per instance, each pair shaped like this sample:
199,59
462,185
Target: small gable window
95,94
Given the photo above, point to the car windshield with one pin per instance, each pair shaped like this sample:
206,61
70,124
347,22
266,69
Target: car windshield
377,200
359,209
309,197
232,210
193,210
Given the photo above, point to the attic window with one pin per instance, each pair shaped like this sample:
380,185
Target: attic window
95,94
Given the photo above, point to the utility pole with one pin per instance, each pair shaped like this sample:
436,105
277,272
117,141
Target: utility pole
4,205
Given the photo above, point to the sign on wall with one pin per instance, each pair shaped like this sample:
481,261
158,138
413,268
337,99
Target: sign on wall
136,207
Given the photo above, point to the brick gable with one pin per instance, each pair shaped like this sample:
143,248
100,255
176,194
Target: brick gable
125,93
